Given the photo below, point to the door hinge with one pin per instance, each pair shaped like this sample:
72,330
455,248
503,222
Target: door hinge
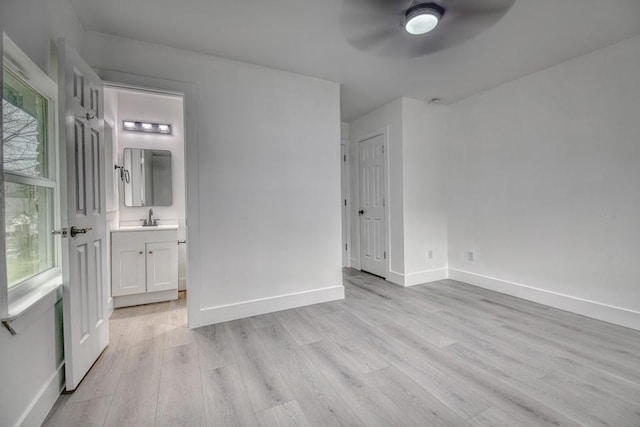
385,254
345,202
383,149
384,203
345,158
346,247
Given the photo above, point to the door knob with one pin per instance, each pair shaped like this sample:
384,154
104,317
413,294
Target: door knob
75,231
361,212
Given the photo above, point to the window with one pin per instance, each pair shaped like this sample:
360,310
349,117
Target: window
29,170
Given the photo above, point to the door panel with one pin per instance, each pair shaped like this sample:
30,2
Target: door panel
96,162
366,238
377,240
83,198
162,266
81,251
129,275
372,206
80,178
99,277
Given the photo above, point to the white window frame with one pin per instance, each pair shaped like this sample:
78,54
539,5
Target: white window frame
22,296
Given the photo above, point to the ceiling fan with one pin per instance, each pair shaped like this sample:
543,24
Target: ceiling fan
411,28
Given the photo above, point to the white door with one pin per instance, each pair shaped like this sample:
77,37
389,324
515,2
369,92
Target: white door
86,328
373,245
162,266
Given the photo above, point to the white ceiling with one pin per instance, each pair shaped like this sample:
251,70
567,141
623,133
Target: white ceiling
304,36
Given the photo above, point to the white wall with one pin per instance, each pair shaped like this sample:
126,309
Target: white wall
155,108
34,24
424,191
111,178
264,225
31,362
416,135
543,184
110,99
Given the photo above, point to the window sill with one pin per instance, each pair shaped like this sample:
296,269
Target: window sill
22,312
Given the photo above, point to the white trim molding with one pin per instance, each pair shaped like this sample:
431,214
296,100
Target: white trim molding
148,298
40,406
32,306
418,278
596,310
241,310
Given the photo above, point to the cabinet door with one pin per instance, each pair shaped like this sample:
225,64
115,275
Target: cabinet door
128,270
162,266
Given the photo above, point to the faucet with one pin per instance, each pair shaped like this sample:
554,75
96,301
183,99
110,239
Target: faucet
151,221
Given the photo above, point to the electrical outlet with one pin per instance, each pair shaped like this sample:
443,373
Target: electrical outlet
430,254
471,256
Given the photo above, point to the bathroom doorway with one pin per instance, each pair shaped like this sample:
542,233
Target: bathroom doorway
146,197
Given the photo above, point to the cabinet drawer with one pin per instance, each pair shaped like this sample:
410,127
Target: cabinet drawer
134,238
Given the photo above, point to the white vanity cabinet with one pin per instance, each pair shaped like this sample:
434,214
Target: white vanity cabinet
144,265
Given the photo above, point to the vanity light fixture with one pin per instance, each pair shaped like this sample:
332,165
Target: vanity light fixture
133,126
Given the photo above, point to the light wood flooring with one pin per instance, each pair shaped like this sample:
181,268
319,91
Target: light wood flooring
443,353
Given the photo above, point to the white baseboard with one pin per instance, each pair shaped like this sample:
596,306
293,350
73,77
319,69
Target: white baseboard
148,298
225,313
596,310
110,307
40,406
412,279
395,278
182,284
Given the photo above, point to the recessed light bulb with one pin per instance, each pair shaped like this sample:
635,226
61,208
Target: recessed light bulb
163,128
423,18
129,125
147,126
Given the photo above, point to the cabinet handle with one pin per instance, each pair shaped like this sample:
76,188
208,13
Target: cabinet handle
141,252
150,252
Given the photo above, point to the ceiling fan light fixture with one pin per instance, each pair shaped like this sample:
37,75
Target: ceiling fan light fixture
423,18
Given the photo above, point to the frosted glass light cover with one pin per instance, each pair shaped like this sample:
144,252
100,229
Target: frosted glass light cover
421,23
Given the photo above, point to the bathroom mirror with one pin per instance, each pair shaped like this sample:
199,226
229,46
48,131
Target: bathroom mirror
149,179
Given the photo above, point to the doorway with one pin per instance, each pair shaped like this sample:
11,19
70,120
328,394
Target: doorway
146,203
